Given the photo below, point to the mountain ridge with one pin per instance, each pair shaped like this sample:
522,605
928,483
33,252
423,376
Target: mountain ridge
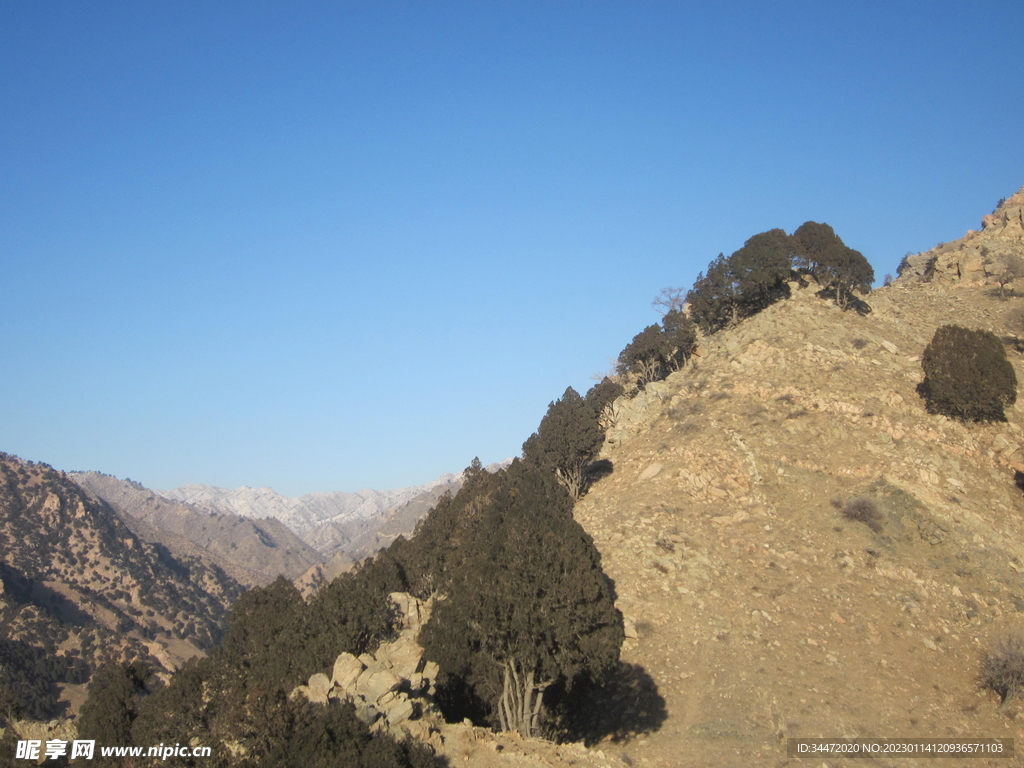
300,513
754,596
253,551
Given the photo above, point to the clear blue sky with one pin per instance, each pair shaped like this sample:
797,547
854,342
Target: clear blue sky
332,246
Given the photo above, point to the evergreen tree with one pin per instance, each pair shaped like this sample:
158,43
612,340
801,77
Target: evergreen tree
568,438
336,737
601,397
967,375
352,614
714,298
760,269
262,622
528,607
645,356
680,338
659,350
840,270
108,713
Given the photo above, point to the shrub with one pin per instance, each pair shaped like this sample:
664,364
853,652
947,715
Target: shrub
1002,667
862,510
967,375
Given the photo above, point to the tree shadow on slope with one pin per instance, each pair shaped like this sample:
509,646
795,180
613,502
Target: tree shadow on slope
627,705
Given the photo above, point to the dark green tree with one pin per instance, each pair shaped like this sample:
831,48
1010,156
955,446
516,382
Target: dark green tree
760,270
657,350
812,245
680,338
601,397
568,438
262,621
181,710
112,706
967,375
352,614
336,737
714,298
529,606
840,270
645,356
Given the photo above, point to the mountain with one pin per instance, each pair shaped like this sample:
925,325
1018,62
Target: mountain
79,588
800,549
252,551
303,513
758,599
343,526
353,540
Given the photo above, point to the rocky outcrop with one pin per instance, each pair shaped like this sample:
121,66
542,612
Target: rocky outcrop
392,689
978,256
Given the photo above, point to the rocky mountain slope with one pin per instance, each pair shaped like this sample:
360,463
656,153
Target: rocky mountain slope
758,608
252,551
982,255
77,584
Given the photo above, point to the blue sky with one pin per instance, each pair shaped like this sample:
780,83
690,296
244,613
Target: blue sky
332,246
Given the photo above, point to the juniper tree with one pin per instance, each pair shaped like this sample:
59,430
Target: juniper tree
839,269
714,298
761,268
528,607
967,375
568,438
644,356
680,338
108,713
601,398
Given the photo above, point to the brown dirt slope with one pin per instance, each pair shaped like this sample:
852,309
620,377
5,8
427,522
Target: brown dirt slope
761,612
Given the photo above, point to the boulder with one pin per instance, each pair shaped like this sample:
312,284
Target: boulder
431,670
372,685
414,612
406,657
401,709
347,669
318,688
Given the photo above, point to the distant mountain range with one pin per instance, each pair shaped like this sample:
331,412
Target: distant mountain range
349,525
302,513
252,551
256,534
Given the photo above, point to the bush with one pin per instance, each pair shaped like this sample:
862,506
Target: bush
967,375
1002,667
862,510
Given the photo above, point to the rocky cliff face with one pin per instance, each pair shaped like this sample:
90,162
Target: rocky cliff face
979,256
